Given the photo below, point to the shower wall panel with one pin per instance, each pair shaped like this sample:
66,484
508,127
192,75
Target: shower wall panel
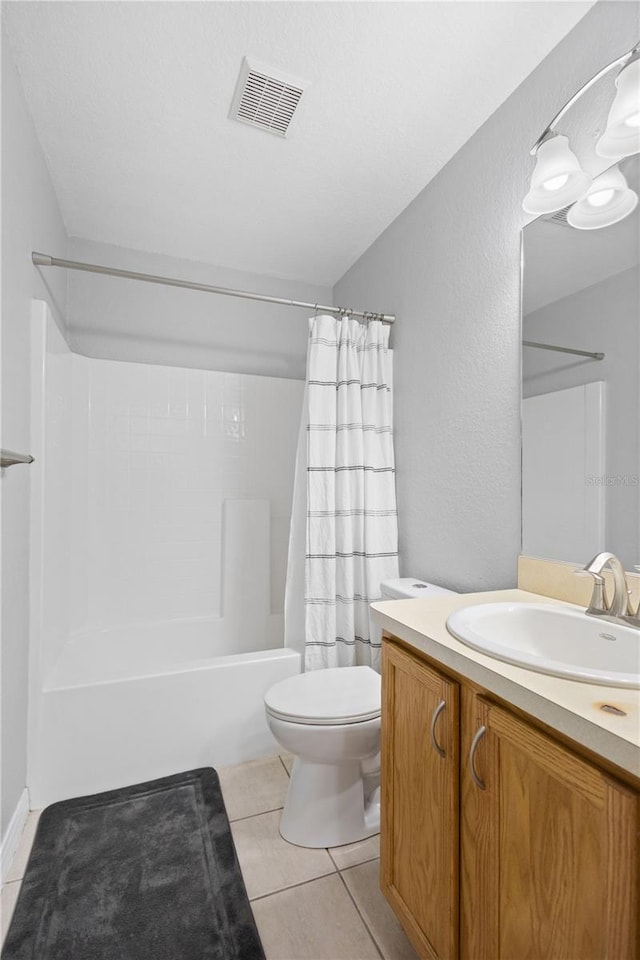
166,447
137,462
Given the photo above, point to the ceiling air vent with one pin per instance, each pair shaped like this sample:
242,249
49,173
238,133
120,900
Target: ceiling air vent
266,98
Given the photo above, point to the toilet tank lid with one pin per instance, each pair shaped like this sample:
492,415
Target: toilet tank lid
409,588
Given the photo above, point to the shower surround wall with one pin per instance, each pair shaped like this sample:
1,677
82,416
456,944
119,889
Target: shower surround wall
157,452
161,502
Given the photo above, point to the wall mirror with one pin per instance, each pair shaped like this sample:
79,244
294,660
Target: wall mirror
581,349
581,413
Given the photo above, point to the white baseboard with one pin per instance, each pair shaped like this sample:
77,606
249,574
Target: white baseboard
14,832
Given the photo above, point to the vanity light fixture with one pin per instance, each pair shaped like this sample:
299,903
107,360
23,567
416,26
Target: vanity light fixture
558,179
621,137
608,200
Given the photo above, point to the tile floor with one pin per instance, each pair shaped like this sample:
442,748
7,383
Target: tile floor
308,904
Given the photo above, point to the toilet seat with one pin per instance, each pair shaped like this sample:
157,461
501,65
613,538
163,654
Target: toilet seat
337,695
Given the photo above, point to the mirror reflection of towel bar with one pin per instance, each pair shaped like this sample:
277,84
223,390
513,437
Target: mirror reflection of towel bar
550,346
8,458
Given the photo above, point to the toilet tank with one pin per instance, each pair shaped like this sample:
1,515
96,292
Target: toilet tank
404,588
408,588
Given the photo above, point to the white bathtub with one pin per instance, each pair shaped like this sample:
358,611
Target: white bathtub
129,704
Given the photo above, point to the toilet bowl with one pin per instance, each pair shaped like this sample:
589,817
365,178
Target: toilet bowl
330,721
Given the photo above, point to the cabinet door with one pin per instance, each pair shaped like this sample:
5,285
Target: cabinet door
549,864
420,777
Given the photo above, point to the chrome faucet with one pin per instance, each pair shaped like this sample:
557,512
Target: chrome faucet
619,609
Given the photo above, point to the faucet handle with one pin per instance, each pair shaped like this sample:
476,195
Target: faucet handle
597,604
618,605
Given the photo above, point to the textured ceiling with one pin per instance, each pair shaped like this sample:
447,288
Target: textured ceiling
131,101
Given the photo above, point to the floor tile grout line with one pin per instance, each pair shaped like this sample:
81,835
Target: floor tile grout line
7,924
250,816
292,886
24,869
338,873
360,914
18,852
350,866
285,766
328,849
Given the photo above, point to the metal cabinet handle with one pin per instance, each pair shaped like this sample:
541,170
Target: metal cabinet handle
434,719
472,752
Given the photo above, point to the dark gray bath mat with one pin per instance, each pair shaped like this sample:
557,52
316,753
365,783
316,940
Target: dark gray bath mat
144,873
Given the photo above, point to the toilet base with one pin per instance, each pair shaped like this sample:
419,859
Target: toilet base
325,805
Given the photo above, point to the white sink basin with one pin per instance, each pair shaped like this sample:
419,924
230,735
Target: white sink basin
550,639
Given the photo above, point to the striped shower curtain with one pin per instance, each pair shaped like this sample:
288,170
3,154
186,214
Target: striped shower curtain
351,532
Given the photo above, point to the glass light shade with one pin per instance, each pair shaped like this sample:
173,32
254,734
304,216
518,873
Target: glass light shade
608,201
621,137
557,179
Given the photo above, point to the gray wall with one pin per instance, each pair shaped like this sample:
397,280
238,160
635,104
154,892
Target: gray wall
602,317
449,267
121,319
30,219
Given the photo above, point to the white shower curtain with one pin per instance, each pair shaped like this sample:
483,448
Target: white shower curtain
344,523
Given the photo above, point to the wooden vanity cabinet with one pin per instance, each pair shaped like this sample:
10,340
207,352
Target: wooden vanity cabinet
420,792
549,847
546,842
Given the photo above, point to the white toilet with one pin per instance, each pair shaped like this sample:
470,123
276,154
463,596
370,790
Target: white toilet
330,721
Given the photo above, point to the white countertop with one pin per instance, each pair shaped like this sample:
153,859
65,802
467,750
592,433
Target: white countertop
569,706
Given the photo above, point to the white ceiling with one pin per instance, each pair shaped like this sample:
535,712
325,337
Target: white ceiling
131,100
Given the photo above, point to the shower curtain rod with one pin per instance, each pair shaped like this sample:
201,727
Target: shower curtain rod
44,260
550,346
